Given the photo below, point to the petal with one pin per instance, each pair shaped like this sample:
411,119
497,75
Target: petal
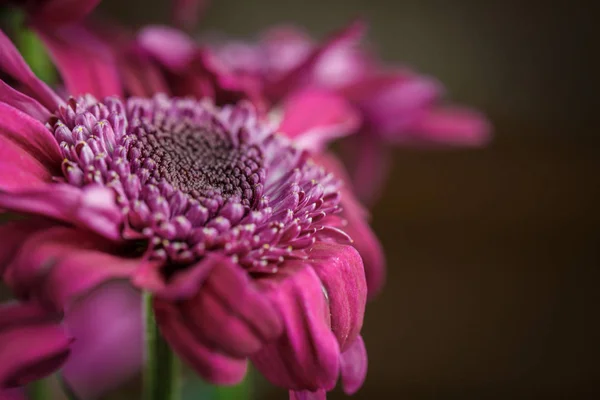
186,13
452,126
31,135
307,395
306,356
85,63
59,264
141,77
354,366
341,271
173,48
30,348
229,313
13,394
298,75
108,350
314,117
19,169
15,66
213,366
12,236
23,103
57,12
91,207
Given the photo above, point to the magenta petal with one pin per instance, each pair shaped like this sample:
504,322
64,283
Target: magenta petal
32,344
108,350
452,126
92,207
313,117
23,102
171,47
14,65
31,135
59,264
213,366
186,13
13,394
85,63
12,236
354,366
341,271
230,313
19,169
57,12
307,395
306,356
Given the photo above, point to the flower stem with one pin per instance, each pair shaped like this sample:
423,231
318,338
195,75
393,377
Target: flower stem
161,372
38,390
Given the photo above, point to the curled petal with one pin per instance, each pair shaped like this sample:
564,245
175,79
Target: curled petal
92,207
341,271
229,313
314,117
212,365
15,66
354,366
59,264
85,63
306,356
32,344
109,349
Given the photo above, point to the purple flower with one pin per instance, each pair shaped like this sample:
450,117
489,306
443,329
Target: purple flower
234,228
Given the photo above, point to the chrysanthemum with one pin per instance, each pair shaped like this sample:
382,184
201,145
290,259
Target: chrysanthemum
233,228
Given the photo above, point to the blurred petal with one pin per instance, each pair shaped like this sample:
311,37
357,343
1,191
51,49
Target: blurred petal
15,66
212,365
314,117
307,395
57,12
23,102
229,313
12,236
32,344
186,13
169,46
306,356
92,207
59,264
19,169
13,394
354,366
107,325
341,271
85,63
452,126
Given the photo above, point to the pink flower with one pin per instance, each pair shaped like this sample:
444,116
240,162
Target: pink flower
233,228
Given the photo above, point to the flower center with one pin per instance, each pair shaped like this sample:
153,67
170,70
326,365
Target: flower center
192,178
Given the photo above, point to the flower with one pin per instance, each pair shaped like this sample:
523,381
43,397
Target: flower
396,105
233,228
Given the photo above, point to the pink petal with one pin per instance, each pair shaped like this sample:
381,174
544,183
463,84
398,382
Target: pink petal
31,135
307,395
341,271
229,313
59,264
15,66
19,169
23,103
108,350
186,13
91,207
140,76
314,117
13,235
13,394
212,365
452,126
354,366
30,347
306,356
57,12
85,63
171,47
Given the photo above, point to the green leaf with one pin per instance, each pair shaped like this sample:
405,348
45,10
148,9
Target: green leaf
34,52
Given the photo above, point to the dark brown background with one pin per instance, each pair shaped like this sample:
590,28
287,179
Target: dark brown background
492,254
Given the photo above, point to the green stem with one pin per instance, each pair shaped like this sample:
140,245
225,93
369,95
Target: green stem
162,369
39,390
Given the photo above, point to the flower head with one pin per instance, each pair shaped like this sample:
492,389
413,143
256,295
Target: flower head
234,229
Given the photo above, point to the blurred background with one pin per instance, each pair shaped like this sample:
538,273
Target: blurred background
493,256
